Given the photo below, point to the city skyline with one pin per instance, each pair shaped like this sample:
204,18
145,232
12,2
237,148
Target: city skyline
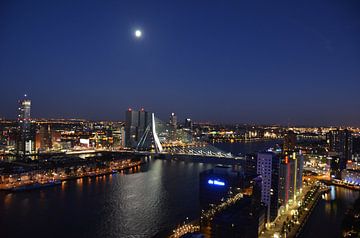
182,117
259,62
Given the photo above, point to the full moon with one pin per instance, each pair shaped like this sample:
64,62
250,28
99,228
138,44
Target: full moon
138,33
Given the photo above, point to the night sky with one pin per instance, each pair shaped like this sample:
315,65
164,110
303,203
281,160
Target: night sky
288,62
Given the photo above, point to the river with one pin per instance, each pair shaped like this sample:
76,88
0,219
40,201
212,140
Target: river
326,218
141,202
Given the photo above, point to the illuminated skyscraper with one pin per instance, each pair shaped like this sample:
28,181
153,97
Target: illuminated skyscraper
173,120
289,141
290,179
340,141
26,140
268,166
135,126
46,138
188,124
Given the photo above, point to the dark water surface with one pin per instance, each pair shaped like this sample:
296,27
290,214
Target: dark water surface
138,204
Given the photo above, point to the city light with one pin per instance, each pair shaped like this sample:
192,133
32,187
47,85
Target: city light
216,182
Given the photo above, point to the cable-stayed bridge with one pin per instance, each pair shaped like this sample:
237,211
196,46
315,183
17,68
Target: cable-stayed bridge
162,138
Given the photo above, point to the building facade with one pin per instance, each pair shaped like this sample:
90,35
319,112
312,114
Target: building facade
340,142
268,166
26,137
136,123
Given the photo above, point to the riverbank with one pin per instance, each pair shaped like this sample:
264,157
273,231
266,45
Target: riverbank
304,219
58,179
328,215
341,184
290,222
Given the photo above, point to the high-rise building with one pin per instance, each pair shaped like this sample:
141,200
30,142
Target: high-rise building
46,138
43,138
144,121
268,166
26,138
136,123
289,141
290,179
188,124
218,183
173,120
118,134
340,141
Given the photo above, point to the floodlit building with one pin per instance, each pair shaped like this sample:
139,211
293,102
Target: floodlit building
26,137
290,179
173,120
340,142
136,123
188,124
289,141
268,167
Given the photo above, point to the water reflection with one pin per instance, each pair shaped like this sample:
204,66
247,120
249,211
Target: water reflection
133,203
326,219
139,202
7,200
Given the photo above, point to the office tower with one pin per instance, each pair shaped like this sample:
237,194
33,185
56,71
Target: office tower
173,120
46,138
300,170
216,183
122,139
118,134
144,121
340,141
55,139
268,166
131,125
290,179
289,141
136,123
43,138
26,140
188,124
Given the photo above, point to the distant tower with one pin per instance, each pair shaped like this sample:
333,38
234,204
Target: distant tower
173,120
26,142
188,124
289,141
340,141
136,123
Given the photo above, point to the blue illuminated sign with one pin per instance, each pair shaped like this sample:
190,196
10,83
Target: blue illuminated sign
216,182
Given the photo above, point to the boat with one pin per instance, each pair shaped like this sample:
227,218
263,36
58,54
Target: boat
35,185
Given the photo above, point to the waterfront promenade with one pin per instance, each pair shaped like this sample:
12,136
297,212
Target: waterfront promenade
291,221
43,178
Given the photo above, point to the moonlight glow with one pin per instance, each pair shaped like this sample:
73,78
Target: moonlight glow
138,33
